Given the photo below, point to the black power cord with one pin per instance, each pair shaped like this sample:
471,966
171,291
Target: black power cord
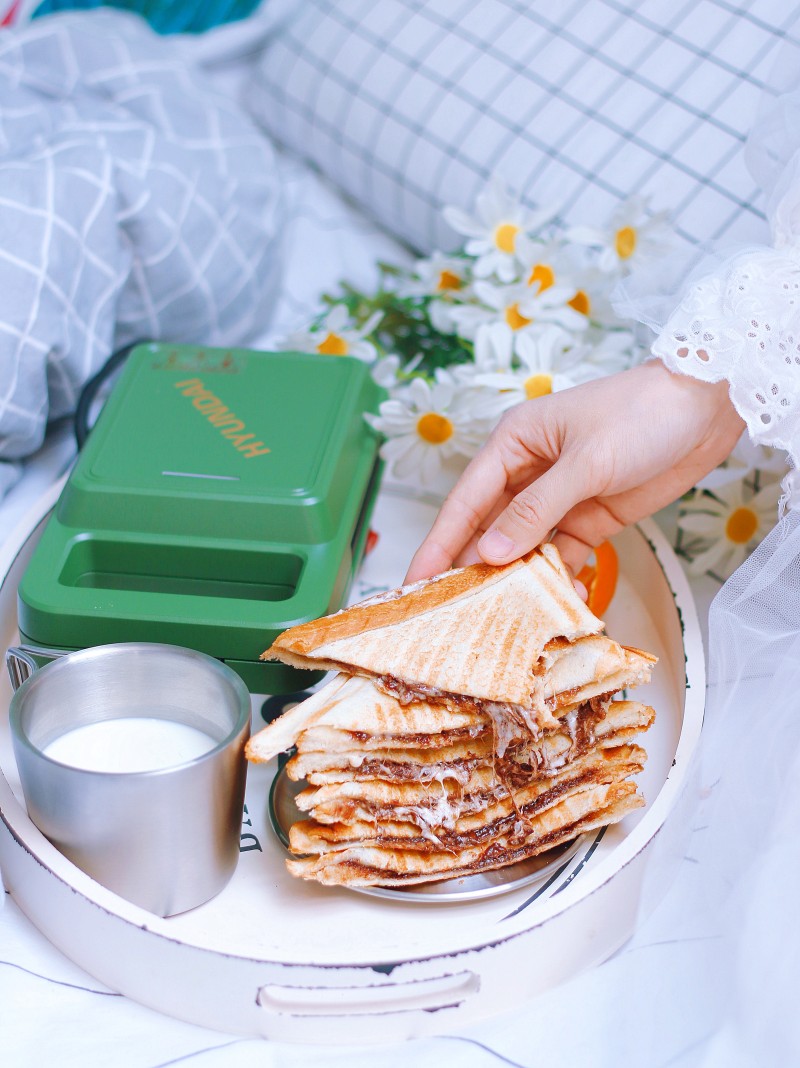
89,391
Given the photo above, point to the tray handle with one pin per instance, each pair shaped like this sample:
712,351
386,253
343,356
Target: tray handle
439,992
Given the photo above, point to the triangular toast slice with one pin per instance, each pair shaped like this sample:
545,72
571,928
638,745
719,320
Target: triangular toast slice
620,723
351,708
354,705
477,630
448,805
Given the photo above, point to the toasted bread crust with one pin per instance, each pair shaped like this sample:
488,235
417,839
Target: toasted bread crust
399,605
641,652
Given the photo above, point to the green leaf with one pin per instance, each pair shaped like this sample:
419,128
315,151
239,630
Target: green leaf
405,328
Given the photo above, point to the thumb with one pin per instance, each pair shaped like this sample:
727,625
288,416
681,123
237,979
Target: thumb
530,516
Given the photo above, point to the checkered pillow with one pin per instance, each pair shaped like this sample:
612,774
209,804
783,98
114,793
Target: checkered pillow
411,104
135,202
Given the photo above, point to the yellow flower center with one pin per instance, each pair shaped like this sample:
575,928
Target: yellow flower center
625,242
434,428
514,319
538,385
581,303
541,275
333,345
741,526
449,280
505,237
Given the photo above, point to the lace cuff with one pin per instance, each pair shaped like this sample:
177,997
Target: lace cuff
743,324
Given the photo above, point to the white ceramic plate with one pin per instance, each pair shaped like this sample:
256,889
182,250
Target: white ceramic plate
297,961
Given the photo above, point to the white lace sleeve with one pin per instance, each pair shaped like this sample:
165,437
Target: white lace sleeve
742,323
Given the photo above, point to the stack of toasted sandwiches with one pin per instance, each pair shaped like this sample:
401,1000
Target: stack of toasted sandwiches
472,724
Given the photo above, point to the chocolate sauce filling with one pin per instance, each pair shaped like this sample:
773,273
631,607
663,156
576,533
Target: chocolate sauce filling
495,856
523,760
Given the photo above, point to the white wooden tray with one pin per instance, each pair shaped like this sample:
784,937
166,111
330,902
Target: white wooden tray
276,957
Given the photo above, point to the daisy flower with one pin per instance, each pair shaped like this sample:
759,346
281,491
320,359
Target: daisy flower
551,305
389,372
332,337
442,278
728,526
544,264
493,231
425,424
436,276
518,306
486,402
548,264
631,236
547,364
591,297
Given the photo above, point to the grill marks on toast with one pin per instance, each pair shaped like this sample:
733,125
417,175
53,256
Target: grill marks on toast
472,726
477,632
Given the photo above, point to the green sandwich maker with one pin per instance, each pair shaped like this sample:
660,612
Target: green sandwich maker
222,496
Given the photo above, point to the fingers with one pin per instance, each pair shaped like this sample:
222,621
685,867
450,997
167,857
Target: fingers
582,528
429,559
461,515
574,551
531,514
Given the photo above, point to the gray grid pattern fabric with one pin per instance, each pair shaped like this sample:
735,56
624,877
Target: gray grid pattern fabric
134,202
411,104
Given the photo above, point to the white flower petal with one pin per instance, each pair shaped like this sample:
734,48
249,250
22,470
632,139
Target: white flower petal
585,235
419,395
479,246
336,318
505,268
462,223
732,496
494,203
708,560
301,341
442,394
765,502
396,448
708,526
362,350
439,313
735,559
721,476
371,323
411,461
490,295
384,373
431,463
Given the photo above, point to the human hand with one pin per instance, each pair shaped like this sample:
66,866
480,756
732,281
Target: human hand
587,461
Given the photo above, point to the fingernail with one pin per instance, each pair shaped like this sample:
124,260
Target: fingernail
497,546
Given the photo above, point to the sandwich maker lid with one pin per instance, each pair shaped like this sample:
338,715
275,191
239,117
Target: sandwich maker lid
222,496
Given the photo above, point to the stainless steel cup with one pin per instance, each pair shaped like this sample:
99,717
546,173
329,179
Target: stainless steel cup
168,839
